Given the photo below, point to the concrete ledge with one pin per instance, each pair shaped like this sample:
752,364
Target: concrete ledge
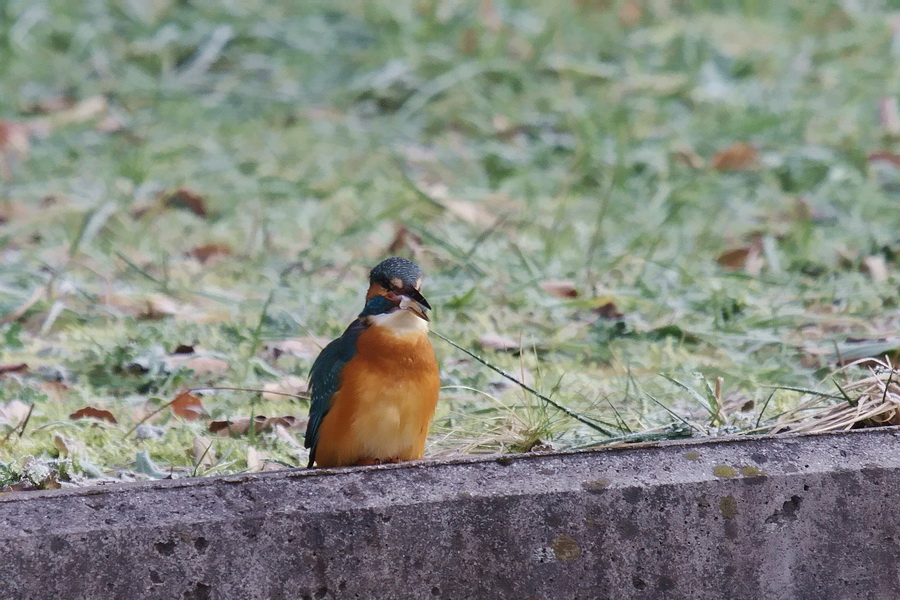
812,517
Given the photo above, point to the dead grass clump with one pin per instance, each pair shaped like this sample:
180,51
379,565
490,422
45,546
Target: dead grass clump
873,401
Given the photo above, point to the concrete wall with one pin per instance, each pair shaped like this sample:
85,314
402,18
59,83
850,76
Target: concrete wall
812,517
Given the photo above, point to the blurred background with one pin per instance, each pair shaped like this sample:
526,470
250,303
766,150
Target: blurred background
673,217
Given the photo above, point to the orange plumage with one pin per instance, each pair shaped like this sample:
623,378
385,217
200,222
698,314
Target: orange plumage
385,402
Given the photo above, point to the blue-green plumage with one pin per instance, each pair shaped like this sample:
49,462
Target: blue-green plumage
325,375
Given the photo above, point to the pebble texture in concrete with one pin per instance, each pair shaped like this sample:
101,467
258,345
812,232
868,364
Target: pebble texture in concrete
814,517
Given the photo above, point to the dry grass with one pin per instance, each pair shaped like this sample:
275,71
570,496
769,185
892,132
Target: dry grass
872,401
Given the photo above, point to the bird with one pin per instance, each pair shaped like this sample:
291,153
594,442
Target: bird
374,389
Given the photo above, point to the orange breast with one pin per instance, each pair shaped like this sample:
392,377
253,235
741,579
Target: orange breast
382,409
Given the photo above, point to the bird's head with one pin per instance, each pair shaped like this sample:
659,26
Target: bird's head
399,281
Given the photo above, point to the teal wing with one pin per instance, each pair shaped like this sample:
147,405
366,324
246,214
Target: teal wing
324,380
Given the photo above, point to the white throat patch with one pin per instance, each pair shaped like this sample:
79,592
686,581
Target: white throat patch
401,323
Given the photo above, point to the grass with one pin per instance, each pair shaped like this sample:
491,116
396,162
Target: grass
219,177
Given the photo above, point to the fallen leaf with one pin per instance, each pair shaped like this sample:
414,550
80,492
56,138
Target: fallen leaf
609,310
561,288
85,110
747,258
282,433
13,368
253,461
307,347
289,385
241,425
497,342
56,389
630,13
876,267
202,452
14,412
201,365
740,156
186,199
207,365
886,157
187,406
688,157
208,251
160,306
93,413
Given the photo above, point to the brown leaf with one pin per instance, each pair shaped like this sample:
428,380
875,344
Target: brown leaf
608,310
55,389
306,347
241,425
207,365
282,433
186,199
740,156
747,259
630,13
13,368
93,413
187,406
160,306
561,288
207,251
200,364
885,156
497,342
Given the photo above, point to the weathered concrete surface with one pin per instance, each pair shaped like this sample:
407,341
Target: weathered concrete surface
813,517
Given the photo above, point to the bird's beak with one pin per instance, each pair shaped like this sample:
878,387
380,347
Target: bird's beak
417,296
413,301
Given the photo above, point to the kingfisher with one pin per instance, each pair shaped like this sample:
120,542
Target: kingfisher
375,388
